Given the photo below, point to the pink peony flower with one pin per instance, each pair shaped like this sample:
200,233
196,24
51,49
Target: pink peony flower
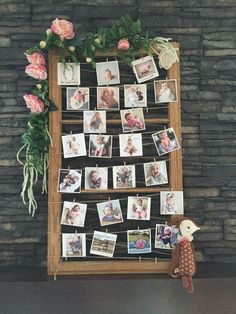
63,28
39,72
123,44
36,58
33,103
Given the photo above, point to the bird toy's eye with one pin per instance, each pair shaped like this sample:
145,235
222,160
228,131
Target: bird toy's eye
188,227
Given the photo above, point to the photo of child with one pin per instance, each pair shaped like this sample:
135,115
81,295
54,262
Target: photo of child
155,173
108,98
145,69
132,120
130,145
166,237
100,146
165,91
139,208
94,121
77,98
108,73
68,74
109,212
74,145
103,244
124,177
96,178
171,203
73,244
69,181
135,95
73,214
139,241
165,141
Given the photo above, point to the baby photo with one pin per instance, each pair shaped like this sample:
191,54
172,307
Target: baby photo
139,241
165,141
135,95
68,74
130,145
109,212
145,69
155,173
132,120
124,177
171,203
96,178
73,214
100,146
108,73
69,181
73,244
74,145
139,208
166,237
165,91
103,244
77,98
108,98
94,121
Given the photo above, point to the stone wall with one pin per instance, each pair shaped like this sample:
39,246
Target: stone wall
205,30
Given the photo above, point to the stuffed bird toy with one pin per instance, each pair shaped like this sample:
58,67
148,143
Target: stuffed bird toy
183,258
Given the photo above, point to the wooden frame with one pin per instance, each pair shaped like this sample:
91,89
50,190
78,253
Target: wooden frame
55,264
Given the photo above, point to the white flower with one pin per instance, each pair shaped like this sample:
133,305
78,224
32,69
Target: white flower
39,86
166,59
48,31
88,60
42,44
71,48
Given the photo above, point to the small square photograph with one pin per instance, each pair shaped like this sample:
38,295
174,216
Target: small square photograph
166,237
94,121
135,95
103,244
69,181
77,98
108,98
73,244
139,241
172,203
74,145
132,120
139,208
165,141
145,69
108,73
73,214
109,212
155,173
131,145
96,178
68,74
100,146
165,91
124,177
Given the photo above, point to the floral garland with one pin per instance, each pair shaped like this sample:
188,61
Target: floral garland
125,36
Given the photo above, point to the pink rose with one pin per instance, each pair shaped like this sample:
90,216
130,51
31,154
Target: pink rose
123,44
36,58
63,28
39,72
33,103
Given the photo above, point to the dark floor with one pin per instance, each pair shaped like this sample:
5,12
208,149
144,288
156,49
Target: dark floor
29,292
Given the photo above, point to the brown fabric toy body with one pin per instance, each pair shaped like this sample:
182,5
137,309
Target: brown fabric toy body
183,258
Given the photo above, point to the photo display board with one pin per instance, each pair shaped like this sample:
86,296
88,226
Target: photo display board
67,122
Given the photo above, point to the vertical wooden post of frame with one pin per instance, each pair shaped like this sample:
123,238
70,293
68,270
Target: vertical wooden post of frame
54,198
176,175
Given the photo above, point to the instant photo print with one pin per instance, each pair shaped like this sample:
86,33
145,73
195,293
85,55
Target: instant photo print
68,74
